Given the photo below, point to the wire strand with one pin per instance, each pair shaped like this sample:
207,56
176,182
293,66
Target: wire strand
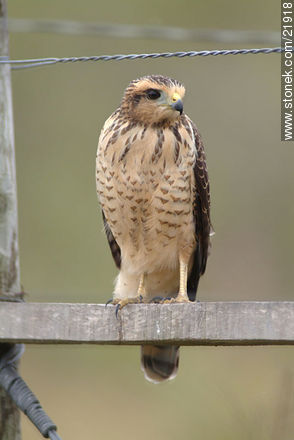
52,434
115,30
37,62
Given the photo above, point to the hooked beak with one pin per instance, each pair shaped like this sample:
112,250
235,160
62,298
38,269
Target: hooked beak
177,103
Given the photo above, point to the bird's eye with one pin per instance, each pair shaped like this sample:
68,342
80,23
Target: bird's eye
153,93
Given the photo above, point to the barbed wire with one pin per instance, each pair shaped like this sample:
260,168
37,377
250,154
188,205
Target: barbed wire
117,30
36,62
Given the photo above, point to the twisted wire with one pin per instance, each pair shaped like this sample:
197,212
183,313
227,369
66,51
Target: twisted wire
36,62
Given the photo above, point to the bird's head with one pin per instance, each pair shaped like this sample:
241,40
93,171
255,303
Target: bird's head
154,100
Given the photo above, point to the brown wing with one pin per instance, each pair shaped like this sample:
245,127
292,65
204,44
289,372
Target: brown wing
114,247
201,216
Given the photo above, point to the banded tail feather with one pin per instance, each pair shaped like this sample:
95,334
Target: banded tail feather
159,362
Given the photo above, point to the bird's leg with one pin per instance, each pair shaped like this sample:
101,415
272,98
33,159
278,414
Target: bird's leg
182,295
120,303
142,287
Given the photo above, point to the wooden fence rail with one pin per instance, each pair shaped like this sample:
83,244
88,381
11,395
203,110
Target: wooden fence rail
200,323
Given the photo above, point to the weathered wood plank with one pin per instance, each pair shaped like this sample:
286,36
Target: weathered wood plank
9,263
201,323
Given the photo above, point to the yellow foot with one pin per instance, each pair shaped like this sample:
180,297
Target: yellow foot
120,303
177,300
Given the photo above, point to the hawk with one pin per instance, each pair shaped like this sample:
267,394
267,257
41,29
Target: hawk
153,187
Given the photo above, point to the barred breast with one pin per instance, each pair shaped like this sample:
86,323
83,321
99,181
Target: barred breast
145,183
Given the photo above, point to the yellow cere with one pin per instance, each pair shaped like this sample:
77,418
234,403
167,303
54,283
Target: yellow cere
176,97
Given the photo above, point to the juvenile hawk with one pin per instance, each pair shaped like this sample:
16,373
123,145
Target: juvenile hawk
153,188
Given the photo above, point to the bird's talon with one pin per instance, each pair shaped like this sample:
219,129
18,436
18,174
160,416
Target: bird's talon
117,309
120,303
156,299
167,300
110,301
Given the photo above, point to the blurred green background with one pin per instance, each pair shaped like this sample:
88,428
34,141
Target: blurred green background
99,392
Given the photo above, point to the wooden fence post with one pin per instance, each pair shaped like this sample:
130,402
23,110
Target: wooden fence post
9,262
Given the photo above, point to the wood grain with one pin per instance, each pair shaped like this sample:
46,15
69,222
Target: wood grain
200,323
9,261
